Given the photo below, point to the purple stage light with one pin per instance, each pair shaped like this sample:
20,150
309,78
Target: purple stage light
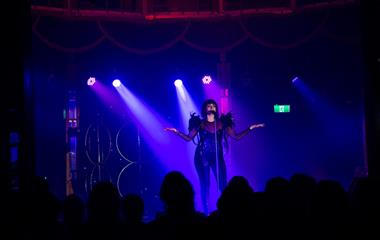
91,81
206,79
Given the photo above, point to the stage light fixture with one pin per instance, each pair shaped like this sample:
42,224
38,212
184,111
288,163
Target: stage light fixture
116,83
178,83
91,81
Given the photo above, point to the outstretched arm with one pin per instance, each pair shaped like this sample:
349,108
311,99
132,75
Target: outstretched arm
186,137
231,132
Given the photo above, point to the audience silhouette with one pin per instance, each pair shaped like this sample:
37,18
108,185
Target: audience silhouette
133,209
293,207
177,195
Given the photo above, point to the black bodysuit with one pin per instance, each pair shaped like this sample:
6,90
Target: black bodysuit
209,153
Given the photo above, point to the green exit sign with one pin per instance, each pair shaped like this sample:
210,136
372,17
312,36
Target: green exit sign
281,108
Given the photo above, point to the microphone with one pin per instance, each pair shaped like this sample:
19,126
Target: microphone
211,112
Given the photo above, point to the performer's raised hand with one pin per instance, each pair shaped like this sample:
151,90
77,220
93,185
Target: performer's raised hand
256,126
174,130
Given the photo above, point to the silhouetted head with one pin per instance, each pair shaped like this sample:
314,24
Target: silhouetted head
236,197
133,208
210,105
103,203
177,192
302,183
330,200
277,185
365,197
73,209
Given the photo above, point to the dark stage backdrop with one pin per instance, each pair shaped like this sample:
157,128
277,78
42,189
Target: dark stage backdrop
321,136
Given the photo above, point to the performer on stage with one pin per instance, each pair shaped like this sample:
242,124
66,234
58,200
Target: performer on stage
212,132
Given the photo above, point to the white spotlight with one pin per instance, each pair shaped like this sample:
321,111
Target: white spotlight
116,83
178,83
91,81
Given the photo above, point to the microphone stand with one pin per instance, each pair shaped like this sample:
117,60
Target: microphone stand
216,153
